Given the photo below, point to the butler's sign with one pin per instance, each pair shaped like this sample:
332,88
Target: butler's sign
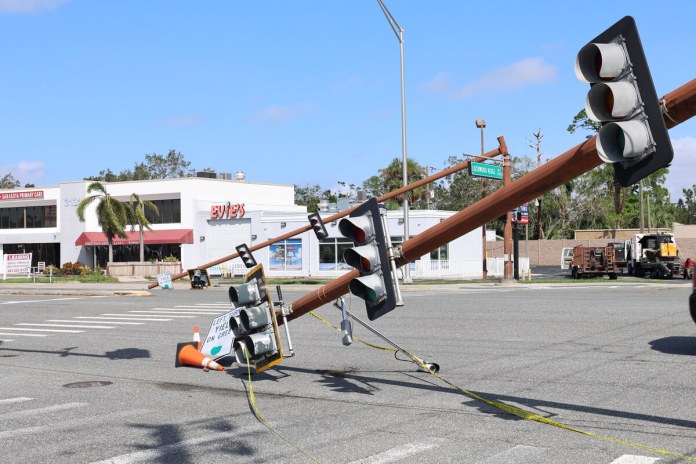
227,211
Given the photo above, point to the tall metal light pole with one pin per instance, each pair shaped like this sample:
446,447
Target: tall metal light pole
481,124
399,32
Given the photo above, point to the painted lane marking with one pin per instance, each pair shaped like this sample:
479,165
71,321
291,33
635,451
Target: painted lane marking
519,454
191,310
69,424
396,454
157,454
19,399
120,317
68,325
94,322
40,301
23,335
135,317
43,330
175,312
6,340
634,459
46,410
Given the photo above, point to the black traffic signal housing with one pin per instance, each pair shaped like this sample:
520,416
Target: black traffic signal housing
622,98
369,256
318,226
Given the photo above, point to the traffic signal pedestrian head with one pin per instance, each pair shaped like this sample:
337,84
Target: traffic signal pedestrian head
622,97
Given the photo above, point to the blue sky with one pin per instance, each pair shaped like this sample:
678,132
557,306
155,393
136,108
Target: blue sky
307,91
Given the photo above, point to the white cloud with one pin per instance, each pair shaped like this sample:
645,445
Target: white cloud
278,114
511,77
682,172
29,6
26,172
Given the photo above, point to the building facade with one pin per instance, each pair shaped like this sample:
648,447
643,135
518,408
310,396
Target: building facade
201,220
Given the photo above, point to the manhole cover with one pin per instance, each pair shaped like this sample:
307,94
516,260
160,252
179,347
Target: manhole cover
91,383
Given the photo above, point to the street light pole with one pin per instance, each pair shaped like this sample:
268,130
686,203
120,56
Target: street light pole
481,124
399,32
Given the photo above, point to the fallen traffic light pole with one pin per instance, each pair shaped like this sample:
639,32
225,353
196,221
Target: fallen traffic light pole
387,196
679,106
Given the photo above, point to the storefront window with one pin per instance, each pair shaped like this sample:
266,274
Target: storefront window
331,254
30,217
286,255
441,254
169,212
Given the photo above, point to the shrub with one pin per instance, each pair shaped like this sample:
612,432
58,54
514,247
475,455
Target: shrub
171,259
73,269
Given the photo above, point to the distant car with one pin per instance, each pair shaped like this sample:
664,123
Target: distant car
566,258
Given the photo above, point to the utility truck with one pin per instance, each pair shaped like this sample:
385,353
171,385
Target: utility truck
653,255
593,262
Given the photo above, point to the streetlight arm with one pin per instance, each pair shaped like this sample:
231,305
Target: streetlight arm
392,22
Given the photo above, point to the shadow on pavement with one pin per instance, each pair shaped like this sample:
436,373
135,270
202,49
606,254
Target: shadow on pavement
122,353
675,345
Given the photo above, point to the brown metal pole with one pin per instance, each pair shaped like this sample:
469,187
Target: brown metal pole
507,232
680,106
385,197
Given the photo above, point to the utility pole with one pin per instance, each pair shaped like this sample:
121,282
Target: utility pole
481,124
507,234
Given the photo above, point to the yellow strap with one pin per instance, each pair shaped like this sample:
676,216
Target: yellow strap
527,415
261,419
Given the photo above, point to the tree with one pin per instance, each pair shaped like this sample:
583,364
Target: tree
8,182
137,211
112,215
308,196
686,208
392,177
172,165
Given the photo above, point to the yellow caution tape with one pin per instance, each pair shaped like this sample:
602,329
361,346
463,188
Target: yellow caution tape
519,412
252,400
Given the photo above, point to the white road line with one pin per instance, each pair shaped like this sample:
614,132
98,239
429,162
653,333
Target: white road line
69,424
23,335
68,325
19,399
130,318
156,454
198,305
396,454
46,410
634,459
119,319
175,312
94,322
190,310
39,301
43,330
6,340
520,454
138,316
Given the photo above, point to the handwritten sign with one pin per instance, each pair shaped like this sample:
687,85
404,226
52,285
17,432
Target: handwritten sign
218,342
164,280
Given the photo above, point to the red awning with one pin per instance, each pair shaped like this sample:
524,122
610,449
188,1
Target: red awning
152,237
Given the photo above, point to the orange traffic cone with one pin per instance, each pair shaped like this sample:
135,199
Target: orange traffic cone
188,355
197,338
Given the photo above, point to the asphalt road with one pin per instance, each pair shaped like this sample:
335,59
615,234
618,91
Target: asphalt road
613,360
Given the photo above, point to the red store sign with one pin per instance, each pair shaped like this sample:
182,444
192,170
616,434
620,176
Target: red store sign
227,211
30,195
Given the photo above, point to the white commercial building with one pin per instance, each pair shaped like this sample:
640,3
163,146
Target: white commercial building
201,220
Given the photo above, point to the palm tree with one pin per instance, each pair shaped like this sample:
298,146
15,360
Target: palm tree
137,209
112,215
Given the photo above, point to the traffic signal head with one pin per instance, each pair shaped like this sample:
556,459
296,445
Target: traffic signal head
369,256
622,97
318,226
253,323
199,278
246,256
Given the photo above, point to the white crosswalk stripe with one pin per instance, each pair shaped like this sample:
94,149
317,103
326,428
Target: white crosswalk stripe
22,335
19,399
95,322
67,325
42,330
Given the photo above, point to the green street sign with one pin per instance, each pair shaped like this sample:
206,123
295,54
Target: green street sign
485,170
